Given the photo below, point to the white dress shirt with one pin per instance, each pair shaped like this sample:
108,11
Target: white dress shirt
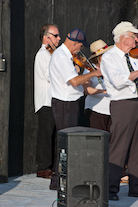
61,70
116,73
42,96
97,102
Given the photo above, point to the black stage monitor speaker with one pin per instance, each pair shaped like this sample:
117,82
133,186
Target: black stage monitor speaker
83,167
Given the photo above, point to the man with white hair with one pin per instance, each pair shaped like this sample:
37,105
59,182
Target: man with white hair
120,78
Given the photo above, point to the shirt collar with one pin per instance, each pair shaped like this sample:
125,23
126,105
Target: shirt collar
67,51
119,52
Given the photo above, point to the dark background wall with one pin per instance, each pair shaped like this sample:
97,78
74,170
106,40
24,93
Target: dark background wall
4,88
17,88
21,22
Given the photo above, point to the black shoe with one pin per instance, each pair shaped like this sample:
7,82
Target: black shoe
132,194
113,196
53,187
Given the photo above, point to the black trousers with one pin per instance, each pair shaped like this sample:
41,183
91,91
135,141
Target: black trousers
98,121
46,141
124,138
66,115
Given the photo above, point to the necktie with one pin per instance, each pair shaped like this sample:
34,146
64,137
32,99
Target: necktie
131,68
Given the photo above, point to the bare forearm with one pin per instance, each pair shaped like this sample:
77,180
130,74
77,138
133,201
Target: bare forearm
79,80
133,75
92,91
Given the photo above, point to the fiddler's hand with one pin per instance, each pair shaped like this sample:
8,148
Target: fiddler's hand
98,73
97,67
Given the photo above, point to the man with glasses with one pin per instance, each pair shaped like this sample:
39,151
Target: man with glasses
45,152
120,78
66,84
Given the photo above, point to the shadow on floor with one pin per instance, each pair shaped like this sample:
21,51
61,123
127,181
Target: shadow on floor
11,184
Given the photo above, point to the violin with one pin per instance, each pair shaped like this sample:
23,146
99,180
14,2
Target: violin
50,49
83,62
134,52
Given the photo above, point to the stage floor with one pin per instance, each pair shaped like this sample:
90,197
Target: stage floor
30,191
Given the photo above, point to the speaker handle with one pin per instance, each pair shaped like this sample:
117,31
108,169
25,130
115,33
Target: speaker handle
91,184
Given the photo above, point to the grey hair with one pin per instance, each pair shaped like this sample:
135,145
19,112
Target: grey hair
44,30
117,37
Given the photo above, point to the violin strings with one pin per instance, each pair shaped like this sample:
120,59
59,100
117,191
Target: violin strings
87,60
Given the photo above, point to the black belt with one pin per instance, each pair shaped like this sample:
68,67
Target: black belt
133,99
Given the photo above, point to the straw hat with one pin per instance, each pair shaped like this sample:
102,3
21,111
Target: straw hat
98,47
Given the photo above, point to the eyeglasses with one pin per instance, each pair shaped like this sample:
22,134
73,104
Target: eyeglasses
133,36
55,35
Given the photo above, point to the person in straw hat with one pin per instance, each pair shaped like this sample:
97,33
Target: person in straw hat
97,100
120,79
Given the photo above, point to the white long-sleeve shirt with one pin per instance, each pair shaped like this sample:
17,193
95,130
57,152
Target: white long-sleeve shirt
116,73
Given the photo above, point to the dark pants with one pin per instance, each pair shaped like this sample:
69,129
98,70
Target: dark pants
98,121
66,115
45,152
124,138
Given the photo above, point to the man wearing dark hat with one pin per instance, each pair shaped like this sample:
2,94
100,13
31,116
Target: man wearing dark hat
66,84
120,78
